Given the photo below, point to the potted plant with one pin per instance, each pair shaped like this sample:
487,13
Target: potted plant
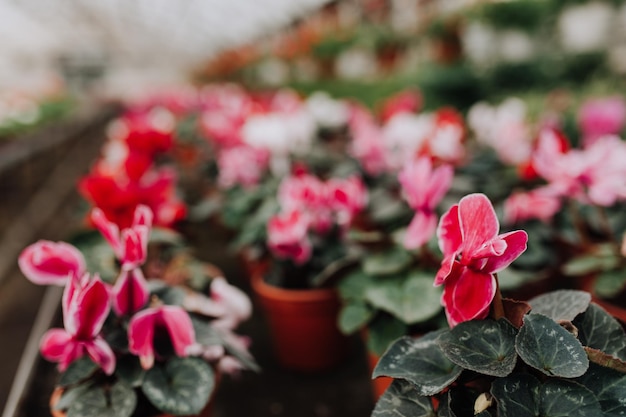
137,346
558,354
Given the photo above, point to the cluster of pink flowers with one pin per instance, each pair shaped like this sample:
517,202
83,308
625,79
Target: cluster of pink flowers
308,204
405,135
87,300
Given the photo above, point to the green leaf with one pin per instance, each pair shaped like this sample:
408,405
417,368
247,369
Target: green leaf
354,316
609,387
167,294
522,395
419,361
484,346
182,387
119,400
382,331
354,285
551,349
402,400
602,259
389,262
597,329
561,305
610,283
165,235
412,299
78,371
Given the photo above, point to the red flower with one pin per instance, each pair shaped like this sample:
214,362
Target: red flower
473,251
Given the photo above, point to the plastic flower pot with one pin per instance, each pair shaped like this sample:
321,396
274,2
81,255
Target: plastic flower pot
303,325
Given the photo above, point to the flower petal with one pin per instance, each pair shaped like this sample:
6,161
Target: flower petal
180,328
516,245
478,221
109,230
90,309
449,231
420,230
101,353
50,263
468,296
130,292
141,336
54,343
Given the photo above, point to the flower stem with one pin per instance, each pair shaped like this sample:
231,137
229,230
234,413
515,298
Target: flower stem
579,224
497,307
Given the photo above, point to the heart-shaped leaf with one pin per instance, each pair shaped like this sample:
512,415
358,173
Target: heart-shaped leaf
548,347
419,361
599,330
412,299
119,400
609,387
603,258
609,283
354,316
129,370
78,371
522,395
561,304
402,400
181,387
484,346
389,262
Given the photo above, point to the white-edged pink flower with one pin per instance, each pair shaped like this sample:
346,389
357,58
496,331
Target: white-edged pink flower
473,251
237,305
367,145
346,197
241,165
307,193
131,246
601,117
147,327
85,308
51,263
130,292
538,204
287,236
424,187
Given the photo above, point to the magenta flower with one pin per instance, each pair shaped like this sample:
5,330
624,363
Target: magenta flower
148,328
130,292
85,308
287,236
423,187
347,197
601,117
131,246
242,165
309,194
473,251
51,263
539,203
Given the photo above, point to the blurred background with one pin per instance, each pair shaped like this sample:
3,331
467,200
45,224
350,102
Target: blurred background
64,63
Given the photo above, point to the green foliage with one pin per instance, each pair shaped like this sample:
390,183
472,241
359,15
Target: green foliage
117,400
182,386
78,371
570,363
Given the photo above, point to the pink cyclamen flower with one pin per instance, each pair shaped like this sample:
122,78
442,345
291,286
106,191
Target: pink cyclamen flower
144,332
347,197
130,292
423,188
601,117
287,236
131,245
536,204
473,251
309,194
51,263
85,308
242,165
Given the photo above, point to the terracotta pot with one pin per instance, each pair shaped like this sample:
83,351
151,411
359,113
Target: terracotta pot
58,392
303,325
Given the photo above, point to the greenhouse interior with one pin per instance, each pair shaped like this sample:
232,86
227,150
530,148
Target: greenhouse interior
313,208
